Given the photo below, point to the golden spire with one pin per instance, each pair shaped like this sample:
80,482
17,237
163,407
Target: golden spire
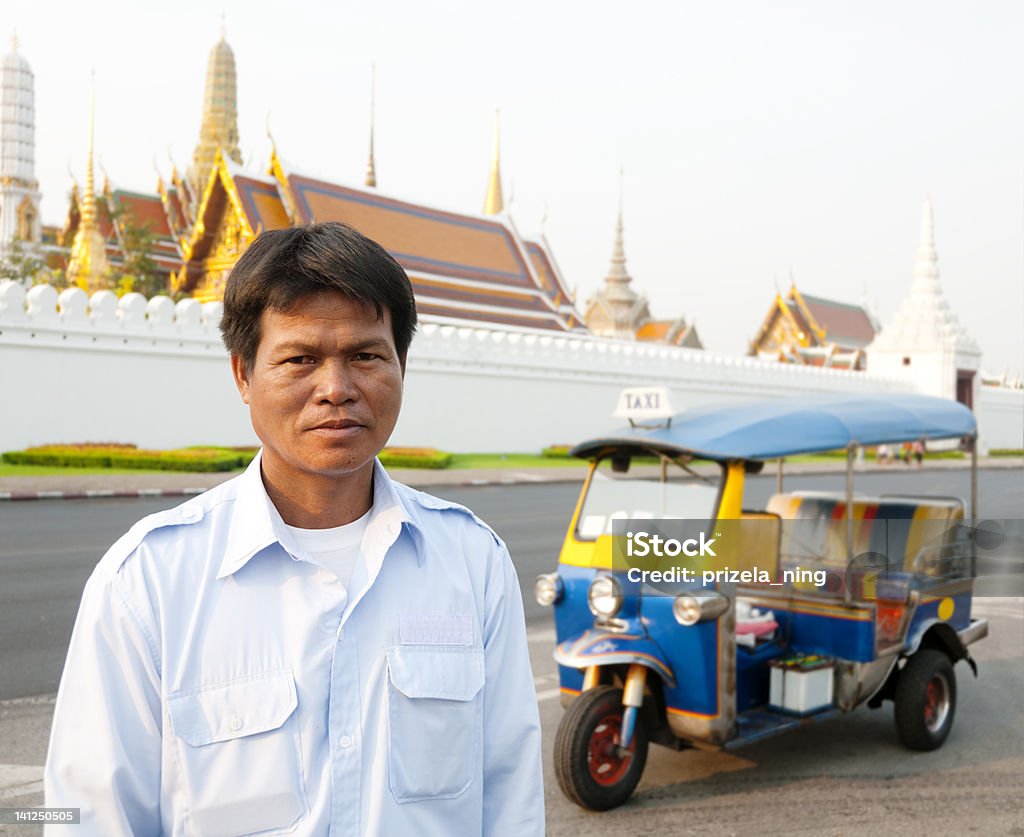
88,265
371,169
89,202
220,115
493,202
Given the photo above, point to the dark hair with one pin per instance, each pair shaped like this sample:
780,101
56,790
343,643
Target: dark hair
282,267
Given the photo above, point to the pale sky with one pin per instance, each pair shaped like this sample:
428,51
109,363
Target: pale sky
757,138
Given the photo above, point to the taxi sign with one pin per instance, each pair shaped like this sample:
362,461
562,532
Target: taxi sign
644,404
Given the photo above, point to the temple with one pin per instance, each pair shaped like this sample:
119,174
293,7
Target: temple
19,190
88,266
618,311
924,340
814,331
463,267
219,128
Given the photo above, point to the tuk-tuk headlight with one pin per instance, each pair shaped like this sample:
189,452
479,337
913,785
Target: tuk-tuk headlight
691,608
604,596
548,589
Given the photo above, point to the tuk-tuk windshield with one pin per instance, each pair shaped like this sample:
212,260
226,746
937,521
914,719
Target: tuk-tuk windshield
673,494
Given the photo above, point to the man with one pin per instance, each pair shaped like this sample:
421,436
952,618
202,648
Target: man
309,648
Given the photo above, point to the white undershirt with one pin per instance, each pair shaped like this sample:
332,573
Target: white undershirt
337,549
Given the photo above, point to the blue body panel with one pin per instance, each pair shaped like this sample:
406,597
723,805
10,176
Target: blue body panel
572,617
691,652
829,636
927,614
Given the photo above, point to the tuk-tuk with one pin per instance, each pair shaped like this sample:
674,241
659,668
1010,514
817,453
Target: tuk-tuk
830,600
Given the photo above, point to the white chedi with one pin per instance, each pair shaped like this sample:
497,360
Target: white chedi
924,321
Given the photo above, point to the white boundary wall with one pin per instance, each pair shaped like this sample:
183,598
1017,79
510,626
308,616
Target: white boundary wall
1000,412
77,369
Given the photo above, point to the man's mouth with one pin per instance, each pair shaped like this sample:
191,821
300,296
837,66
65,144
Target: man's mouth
341,424
338,429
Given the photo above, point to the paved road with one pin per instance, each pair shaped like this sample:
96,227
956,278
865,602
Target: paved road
848,776
48,548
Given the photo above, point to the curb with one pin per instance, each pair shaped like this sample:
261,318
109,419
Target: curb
470,481
93,494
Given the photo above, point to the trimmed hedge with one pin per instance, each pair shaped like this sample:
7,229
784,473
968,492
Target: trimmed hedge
415,458
195,459
130,457
1006,452
556,451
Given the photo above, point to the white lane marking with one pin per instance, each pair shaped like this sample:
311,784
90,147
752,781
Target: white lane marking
548,694
524,477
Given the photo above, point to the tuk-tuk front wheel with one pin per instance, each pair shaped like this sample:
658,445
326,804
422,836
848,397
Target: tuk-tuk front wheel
592,768
925,700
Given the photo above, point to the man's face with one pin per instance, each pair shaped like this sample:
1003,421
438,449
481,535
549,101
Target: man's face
325,389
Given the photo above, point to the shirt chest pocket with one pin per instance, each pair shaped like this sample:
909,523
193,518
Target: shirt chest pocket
237,748
434,720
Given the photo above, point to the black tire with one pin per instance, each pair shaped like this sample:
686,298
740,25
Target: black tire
592,724
925,700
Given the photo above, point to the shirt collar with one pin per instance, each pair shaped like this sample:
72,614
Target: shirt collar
256,522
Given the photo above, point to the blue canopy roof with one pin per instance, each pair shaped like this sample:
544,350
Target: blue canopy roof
788,426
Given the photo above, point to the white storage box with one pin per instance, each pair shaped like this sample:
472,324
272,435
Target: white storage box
801,684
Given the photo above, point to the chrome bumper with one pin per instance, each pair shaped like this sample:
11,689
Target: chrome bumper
977,630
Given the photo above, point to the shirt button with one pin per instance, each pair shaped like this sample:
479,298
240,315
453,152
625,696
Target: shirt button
345,742
236,723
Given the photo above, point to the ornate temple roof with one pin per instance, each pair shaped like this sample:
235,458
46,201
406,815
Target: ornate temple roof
461,266
925,322
672,332
844,324
812,330
136,208
551,279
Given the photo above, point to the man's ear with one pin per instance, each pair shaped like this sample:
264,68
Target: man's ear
241,375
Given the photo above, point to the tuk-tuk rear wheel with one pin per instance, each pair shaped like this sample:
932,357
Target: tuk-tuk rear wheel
591,767
925,700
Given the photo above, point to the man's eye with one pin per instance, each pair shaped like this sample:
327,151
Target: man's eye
300,359
364,356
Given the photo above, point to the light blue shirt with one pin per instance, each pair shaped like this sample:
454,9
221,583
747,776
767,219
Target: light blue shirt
220,682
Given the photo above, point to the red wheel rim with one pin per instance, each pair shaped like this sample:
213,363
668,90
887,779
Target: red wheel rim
607,767
936,702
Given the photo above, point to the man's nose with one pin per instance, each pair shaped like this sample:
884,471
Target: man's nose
335,383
